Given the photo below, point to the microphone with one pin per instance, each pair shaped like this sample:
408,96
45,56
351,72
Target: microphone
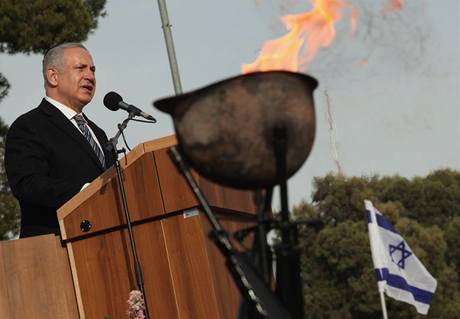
113,101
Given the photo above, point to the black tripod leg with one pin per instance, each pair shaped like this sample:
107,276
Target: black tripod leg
259,255
288,280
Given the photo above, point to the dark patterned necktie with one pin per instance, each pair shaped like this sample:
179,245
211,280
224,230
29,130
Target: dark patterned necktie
81,122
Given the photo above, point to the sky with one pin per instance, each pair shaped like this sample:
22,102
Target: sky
393,84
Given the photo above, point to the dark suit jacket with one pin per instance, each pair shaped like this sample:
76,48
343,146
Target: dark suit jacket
47,161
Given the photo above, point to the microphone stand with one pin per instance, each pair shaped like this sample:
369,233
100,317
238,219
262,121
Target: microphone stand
112,148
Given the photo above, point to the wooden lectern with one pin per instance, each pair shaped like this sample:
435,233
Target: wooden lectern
89,274
184,273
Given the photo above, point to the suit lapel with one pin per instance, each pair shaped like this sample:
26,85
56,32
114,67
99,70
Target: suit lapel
62,122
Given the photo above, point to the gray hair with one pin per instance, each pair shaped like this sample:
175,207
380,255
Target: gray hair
54,57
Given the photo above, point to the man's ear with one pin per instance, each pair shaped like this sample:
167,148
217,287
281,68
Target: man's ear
52,77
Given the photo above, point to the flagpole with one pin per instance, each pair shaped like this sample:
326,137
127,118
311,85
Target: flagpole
384,305
170,46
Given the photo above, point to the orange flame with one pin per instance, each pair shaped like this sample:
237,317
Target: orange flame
394,5
307,33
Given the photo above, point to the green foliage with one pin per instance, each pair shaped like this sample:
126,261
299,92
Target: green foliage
4,86
451,235
9,216
337,268
3,182
35,26
9,207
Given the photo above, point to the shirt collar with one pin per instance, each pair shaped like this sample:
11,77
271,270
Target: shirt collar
67,111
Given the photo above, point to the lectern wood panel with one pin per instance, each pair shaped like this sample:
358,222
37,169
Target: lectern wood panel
103,274
226,289
107,275
156,270
226,198
144,200
176,193
190,269
35,279
178,196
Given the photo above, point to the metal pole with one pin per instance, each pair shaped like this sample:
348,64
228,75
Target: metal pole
166,26
384,306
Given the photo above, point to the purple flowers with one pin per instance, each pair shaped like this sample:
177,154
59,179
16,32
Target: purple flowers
136,305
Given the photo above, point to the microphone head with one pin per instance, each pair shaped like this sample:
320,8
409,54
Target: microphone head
111,101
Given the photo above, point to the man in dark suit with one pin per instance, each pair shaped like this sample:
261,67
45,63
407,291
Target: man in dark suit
53,150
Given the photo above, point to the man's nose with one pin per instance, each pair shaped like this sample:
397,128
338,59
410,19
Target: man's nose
90,76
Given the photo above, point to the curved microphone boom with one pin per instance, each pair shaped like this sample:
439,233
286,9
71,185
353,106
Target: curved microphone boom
113,101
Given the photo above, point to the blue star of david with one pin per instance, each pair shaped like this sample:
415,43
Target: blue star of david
403,256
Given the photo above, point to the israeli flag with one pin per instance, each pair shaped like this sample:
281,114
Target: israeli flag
399,272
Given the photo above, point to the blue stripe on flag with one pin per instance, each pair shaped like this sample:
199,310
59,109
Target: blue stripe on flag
379,274
399,282
382,222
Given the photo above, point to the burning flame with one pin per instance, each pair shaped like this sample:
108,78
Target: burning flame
394,5
307,33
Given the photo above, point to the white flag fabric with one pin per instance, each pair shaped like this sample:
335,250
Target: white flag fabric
400,274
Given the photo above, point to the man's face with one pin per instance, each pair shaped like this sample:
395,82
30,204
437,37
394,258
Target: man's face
76,82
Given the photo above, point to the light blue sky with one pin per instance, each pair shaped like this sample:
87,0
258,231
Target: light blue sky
398,114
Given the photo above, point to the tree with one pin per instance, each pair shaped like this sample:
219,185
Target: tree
9,208
4,86
337,269
34,27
